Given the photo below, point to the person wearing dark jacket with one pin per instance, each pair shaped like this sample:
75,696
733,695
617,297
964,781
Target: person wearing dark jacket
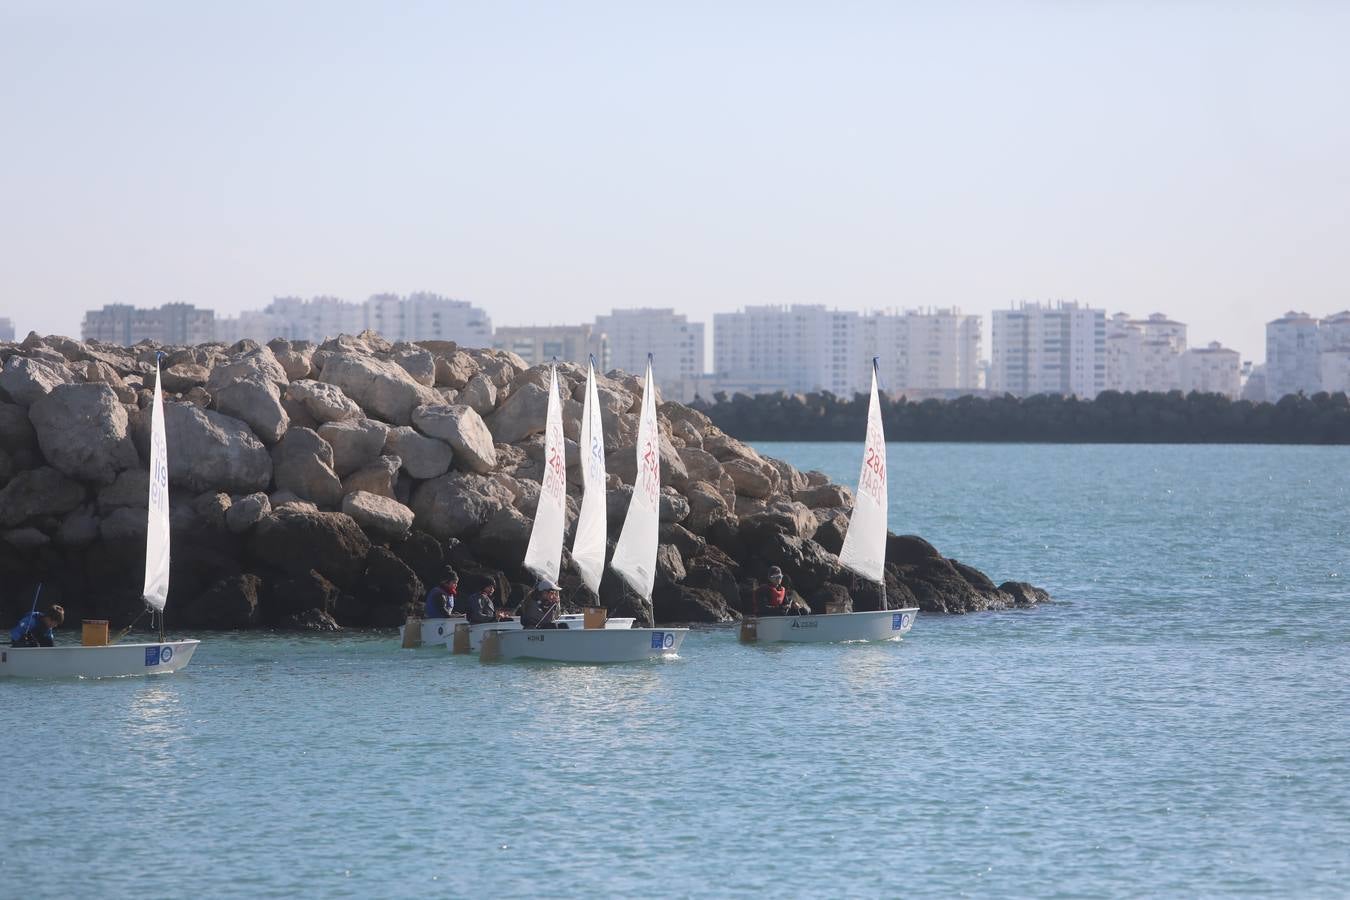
482,606
771,598
440,603
541,608
35,629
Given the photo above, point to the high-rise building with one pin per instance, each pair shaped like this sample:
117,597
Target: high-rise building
171,324
1050,349
419,317
923,349
676,345
6,330
798,348
1292,351
538,344
1143,354
428,317
1333,352
1210,370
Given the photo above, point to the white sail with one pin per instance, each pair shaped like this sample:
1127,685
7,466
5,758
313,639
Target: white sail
157,531
588,546
543,557
864,548
635,553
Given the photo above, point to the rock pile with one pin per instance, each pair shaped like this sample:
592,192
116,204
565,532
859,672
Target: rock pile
320,486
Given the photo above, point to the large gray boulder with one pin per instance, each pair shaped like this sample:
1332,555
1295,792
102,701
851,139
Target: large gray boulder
384,390
380,517
83,431
828,496
79,528
209,450
295,357
355,443
131,488
29,380
418,363
38,492
258,362
706,507
504,537
123,524
455,369
457,505
749,476
700,465
465,432
256,400
182,377
520,416
246,512
302,463
379,477
480,393
324,402
423,457
295,540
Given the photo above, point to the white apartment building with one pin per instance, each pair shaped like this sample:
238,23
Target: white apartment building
803,348
798,348
675,343
1333,352
1292,351
1143,354
1211,370
428,317
6,330
923,350
1049,349
538,344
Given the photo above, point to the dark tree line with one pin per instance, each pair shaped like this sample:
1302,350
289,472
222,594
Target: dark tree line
1170,418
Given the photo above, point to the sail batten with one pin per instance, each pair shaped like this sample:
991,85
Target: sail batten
543,556
864,549
156,589
588,545
635,553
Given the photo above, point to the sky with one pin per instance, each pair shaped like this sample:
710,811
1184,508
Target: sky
549,162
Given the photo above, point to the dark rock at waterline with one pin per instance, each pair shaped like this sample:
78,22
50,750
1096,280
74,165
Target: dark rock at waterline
232,602
309,620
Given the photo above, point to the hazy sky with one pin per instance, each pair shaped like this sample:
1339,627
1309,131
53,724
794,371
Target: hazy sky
551,161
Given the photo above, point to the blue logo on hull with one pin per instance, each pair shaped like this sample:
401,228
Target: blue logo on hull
657,639
152,655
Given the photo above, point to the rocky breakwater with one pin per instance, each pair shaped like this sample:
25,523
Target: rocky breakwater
326,486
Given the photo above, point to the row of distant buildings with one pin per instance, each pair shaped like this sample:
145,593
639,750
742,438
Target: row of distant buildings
1062,347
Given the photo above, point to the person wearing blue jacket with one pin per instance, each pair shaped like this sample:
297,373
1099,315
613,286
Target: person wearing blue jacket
440,603
35,629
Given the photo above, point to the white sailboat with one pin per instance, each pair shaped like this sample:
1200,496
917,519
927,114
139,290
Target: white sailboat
864,552
634,556
110,660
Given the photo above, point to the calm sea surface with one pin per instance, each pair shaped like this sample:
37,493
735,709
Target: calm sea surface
1177,723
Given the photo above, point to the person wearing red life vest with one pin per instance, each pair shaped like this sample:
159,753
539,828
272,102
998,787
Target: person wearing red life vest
771,598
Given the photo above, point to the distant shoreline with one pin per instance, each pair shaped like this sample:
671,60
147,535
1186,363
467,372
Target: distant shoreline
1113,418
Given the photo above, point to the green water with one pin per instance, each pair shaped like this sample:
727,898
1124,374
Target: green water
1175,724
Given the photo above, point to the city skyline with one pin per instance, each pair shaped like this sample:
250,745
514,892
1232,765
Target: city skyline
1134,157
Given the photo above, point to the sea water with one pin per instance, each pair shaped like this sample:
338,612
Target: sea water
1176,722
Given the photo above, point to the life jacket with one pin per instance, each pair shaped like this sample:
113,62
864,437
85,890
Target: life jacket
771,596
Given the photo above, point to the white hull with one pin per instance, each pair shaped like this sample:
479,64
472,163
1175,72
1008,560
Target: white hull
879,625
476,632
594,645
435,632
112,661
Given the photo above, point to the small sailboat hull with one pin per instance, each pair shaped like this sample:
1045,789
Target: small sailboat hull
476,632
592,645
113,661
879,625
434,632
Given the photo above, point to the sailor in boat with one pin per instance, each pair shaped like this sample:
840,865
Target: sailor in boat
541,607
440,603
483,604
35,629
771,598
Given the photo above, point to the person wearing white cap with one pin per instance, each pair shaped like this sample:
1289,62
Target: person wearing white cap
542,606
